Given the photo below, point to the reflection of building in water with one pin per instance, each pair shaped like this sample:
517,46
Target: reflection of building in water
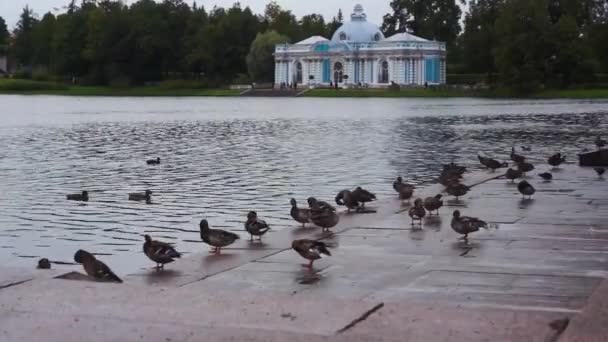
359,54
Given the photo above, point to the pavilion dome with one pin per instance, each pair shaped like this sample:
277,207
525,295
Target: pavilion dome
358,30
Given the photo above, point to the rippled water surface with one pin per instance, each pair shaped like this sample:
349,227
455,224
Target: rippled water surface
224,157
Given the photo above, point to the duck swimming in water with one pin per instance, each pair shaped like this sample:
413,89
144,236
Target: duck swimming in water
153,161
139,197
83,197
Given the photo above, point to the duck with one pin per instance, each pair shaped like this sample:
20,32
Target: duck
556,160
301,215
454,169
138,196
417,212
483,160
399,184
494,164
406,193
525,167
546,176
600,171
433,204
94,268
517,158
363,196
160,252
255,226
600,143
83,197
457,190
513,174
323,214
526,148
216,238
153,161
44,264
347,199
310,249
466,225
526,189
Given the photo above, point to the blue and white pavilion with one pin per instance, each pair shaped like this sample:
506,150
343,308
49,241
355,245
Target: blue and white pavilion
359,54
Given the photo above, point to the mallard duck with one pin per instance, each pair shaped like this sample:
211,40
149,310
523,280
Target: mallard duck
310,250
546,176
454,168
526,189
417,212
525,167
433,204
399,184
599,142
95,268
160,252
255,226
323,214
483,160
517,158
44,264
600,171
556,160
300,215
494,164
363,196
216,238
83,197
153,161
138,196
513,174
457,190
406,193
466,225
347,199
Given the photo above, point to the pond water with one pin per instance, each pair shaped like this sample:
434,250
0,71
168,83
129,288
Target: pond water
222,157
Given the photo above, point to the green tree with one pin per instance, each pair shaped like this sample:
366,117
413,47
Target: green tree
523,31
4,35
24,38
282,21
42,37
312,25
479,40
260,60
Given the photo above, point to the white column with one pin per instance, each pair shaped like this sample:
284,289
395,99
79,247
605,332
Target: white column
422,73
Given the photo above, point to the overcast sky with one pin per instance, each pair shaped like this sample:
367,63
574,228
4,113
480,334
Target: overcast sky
375,9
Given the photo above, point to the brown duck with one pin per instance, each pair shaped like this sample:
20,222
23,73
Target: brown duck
256,227
310,250
95,268
466,225
457,190
216,238
417,212
433,204
301,215
323,214
160,252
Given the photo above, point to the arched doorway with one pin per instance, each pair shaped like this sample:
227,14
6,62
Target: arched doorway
299,73
338,72
384,72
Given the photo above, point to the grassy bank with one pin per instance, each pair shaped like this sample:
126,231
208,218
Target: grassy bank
26,87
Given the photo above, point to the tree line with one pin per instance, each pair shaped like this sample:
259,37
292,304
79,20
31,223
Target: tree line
521,44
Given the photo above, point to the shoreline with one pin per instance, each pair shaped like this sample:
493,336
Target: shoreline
27,87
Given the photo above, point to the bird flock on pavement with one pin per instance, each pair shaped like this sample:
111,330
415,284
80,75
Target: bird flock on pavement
325,216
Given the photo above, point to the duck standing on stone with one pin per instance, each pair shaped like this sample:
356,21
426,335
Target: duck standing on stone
525,167
466,225
256,227
526,189
363,196
556,160
513,174
160,252
323,214
547,176
433,204
347,199
457,190
405,190
216,238
417,212
82,197
139,196
95,268
491,164
301,215
517,158
310,250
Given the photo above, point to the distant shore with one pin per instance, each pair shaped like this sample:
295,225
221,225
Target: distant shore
26,87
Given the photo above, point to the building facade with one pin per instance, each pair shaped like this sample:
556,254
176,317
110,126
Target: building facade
358,54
